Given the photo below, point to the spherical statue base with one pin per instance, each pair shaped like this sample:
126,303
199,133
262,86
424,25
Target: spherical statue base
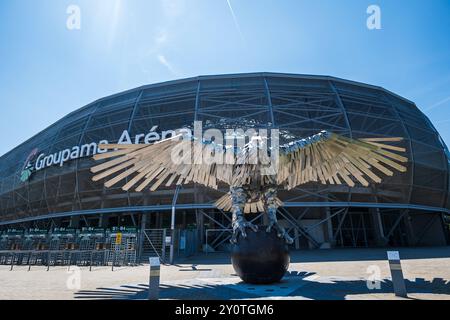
260,258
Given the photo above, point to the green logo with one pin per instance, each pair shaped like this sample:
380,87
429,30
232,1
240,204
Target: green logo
28,167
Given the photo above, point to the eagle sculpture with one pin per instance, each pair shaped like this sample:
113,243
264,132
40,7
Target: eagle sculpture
253,176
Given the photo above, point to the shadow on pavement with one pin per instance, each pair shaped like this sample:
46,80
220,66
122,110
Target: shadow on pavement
320,289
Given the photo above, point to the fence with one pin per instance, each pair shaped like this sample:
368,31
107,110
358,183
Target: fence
86,247
94,247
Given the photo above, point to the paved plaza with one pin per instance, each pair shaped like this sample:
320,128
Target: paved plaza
320,274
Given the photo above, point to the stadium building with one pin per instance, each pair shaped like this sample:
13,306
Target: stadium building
46,182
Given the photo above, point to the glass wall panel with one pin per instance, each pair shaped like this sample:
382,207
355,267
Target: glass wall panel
428,156
301,106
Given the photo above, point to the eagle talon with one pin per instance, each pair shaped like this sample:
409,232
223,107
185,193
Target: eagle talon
270,226
239,228
281,233
287,238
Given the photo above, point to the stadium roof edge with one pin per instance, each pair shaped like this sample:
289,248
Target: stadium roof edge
212,77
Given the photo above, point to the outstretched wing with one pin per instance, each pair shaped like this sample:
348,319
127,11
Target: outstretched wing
170,161
335,159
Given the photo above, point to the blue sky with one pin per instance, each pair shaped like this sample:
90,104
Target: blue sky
47,71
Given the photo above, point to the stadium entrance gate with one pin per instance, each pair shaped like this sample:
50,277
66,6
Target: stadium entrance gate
156,243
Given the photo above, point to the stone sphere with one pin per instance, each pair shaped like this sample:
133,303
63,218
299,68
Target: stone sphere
261,257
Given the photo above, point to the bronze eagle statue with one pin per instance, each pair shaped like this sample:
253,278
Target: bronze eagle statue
253,176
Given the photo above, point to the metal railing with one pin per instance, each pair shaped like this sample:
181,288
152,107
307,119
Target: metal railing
51,258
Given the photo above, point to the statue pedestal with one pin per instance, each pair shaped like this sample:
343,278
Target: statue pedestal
261,258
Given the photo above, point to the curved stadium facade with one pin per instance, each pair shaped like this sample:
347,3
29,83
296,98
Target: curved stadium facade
46,180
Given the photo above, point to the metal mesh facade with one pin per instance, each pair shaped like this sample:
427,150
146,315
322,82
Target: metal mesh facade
303,105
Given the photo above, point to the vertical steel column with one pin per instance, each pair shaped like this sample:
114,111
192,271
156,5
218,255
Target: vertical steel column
411,153
411,238
297,241
130,123
172,224
199,222
329,226
198,215
74,222
141,235
197,102
163,246
378,225
269,100
347,121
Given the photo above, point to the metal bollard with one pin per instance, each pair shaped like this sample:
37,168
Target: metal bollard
29,261
397,275
90,264
114,261
13,257
153,284
48,261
